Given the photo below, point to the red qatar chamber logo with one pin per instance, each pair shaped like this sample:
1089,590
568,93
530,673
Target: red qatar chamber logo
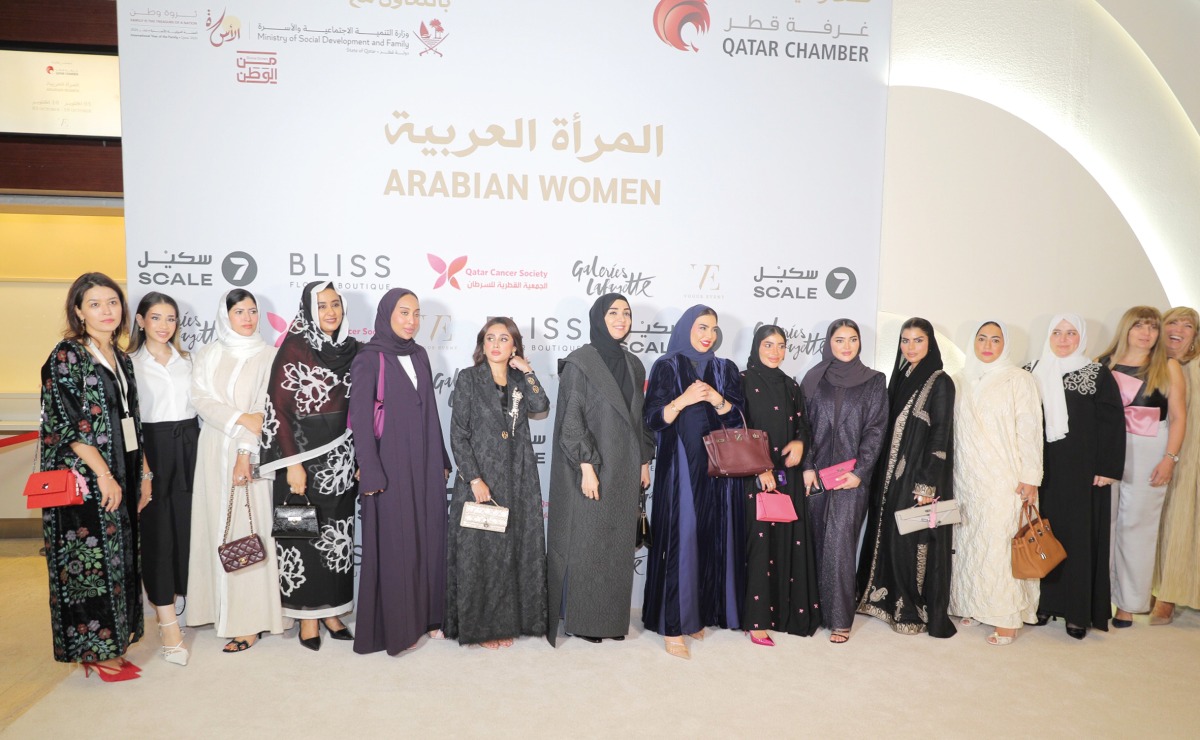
670,17
446,272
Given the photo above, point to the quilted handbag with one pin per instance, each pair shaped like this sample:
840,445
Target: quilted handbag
737,453
243,552
492,518
295,521
51,488
1035,550
775,507
936,514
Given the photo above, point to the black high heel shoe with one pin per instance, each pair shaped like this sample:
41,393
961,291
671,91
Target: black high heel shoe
1077,632
338,634
312,643
1043,619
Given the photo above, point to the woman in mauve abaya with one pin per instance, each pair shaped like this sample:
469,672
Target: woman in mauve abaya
781,565
1083,455
904,579
402,583
695,572
847,411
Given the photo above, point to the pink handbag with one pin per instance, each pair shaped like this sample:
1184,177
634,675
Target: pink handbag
775,507
831,476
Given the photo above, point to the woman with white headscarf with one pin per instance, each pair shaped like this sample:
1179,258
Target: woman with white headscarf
229,390
1083,455
997,467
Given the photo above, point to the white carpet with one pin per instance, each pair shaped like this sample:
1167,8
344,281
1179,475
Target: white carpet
1135,682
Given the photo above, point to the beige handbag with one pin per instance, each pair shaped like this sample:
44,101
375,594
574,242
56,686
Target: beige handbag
492,518
936,514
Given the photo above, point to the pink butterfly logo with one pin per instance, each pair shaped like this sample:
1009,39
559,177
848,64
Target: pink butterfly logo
279,324
446,273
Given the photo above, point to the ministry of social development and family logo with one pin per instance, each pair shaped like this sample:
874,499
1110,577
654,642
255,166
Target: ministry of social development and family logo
446,272
431,38
670,17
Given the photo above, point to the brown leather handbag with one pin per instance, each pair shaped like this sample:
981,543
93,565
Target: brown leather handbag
1035,550
737,453
243,552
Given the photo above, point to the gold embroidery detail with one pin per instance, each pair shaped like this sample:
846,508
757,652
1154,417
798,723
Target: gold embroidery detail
922,563
925,491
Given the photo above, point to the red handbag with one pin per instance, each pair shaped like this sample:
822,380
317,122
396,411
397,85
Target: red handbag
737,453
51,488
775,507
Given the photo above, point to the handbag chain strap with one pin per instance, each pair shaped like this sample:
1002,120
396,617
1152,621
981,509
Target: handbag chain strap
229,512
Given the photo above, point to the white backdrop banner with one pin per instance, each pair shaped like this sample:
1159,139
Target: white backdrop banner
517,159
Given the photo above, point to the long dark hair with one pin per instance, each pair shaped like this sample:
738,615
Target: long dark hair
479,357
137,335
236,296
76,330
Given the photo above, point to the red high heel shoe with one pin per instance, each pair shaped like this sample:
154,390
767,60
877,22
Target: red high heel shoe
108,674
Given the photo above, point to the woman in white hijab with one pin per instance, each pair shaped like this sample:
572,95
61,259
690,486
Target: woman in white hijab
1084,454
229,390
997,467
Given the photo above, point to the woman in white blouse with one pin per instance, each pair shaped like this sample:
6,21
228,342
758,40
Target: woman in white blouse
170,429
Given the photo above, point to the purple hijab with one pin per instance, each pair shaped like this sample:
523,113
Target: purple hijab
386,341
681,339
839,374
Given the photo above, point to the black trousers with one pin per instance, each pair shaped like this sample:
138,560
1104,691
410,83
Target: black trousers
166,522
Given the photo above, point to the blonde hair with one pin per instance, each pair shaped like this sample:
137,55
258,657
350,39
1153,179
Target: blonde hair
1156,373
1185,313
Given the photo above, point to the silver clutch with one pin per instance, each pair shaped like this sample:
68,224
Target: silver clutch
919,517
492,518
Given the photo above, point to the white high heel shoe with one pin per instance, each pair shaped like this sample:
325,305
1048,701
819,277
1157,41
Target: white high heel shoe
176,654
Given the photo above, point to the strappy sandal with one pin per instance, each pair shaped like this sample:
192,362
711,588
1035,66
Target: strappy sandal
237,646
176,654
839,637
969,621
998,639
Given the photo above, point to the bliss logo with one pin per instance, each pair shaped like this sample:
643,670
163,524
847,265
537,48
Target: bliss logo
446,272
670,16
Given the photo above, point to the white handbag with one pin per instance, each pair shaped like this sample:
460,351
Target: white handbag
492,518
937,514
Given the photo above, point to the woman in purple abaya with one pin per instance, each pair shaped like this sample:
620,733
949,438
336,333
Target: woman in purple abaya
402,585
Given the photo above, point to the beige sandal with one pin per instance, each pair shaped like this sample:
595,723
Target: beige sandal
678,649
998,639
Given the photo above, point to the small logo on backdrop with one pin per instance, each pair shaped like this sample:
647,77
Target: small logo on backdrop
223,30
612,278
670,16
439,327
50,70
707,281
239,269
841,283
446,272
257,67
279,324
785,282
431,36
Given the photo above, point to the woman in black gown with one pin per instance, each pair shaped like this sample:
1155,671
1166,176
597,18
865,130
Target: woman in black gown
904,579
781,568
1083,455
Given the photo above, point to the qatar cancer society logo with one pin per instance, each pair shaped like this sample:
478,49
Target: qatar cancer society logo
446,273
672,16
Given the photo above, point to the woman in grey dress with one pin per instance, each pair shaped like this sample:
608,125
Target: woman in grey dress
496,581
848,411
602,454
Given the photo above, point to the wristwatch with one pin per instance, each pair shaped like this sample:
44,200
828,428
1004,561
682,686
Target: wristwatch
1173,457
148,475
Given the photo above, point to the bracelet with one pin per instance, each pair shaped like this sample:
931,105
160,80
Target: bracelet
148,475
107,474
529,373
724,403
1173,457
243,452
477,480
675,408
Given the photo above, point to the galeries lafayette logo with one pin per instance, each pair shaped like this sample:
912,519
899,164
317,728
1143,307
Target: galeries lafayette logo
670,17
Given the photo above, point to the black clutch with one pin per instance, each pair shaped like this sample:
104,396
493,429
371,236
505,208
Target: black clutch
295,522
643,524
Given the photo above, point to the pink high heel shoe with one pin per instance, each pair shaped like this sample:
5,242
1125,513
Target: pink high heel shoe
767,641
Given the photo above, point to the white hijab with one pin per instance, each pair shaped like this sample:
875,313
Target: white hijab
1049,372
976,371
235,344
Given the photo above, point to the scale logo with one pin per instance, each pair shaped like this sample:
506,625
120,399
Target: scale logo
239,269
670,16
446,272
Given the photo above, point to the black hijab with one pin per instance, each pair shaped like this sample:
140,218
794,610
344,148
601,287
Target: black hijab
906,379
335,353
772,377
839,374
386,341
609,348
